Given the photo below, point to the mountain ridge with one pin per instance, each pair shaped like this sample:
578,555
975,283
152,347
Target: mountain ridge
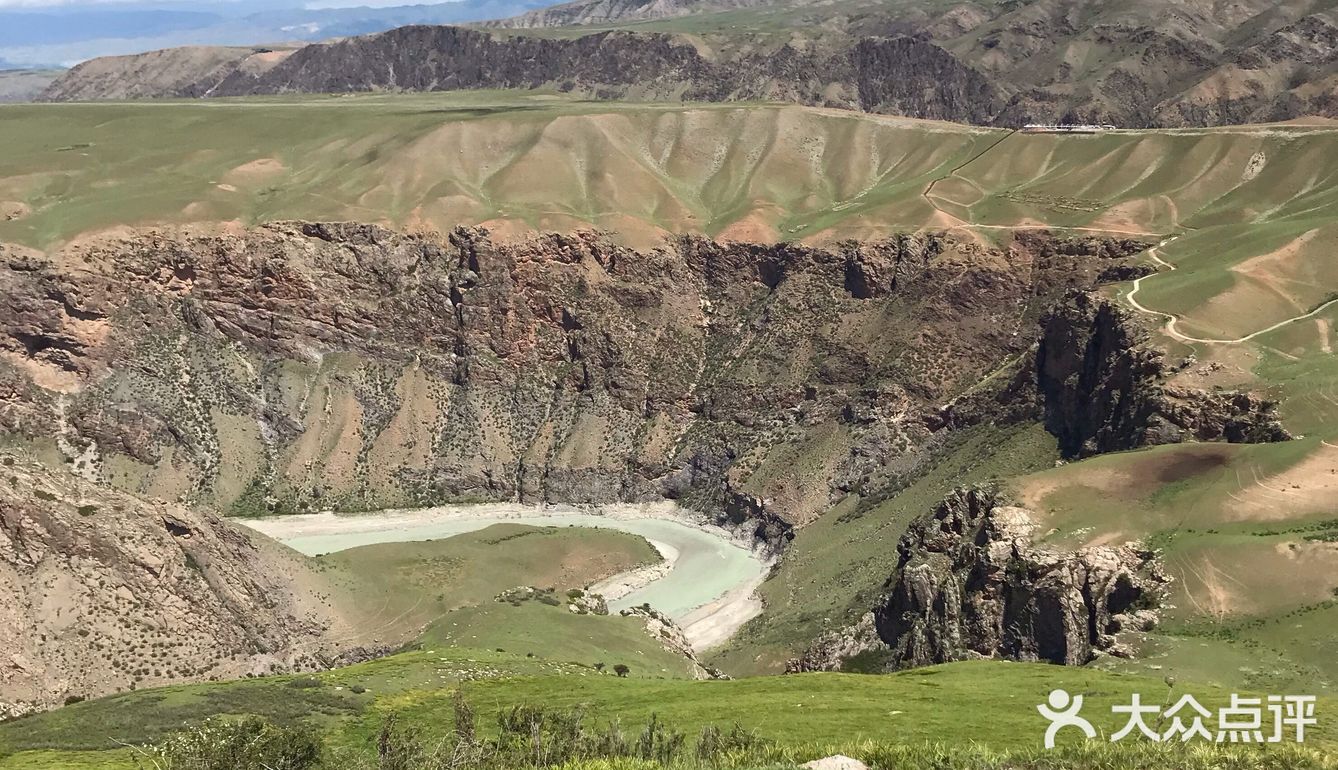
1134,64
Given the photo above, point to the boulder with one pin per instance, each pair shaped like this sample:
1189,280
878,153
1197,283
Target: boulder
836,762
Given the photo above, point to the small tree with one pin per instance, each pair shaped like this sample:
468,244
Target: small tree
599,666
621,670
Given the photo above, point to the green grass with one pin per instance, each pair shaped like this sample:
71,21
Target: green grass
1293,361
148,715
556,634
1145,492
537,160
812,714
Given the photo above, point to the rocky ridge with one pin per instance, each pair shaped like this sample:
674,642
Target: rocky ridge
970,583
102,592
1185,63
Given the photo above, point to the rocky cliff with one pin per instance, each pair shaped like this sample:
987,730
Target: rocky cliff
1103,386
102,592
900,75
301,366
970,583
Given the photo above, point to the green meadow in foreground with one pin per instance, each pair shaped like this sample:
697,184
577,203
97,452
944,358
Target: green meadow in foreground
976,715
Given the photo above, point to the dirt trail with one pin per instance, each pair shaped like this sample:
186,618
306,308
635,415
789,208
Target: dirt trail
1172,320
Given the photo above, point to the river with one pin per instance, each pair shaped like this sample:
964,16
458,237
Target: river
707,583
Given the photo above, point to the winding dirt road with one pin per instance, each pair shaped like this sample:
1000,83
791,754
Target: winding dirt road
1171,319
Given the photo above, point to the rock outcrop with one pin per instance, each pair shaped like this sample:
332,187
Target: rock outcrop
102,592
672,638
834,650
1103,386
970,583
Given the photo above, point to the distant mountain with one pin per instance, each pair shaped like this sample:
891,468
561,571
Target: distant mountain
1128,62
596,12
18,85
67,35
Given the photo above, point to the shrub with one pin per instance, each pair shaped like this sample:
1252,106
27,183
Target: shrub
621,669
250,743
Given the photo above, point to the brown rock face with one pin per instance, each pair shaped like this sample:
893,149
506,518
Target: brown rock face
970,584
300,366
102,592
303,366
835,650
1102,386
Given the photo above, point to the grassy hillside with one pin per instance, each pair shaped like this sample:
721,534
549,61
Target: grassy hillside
1254,205
525,161
804,716
442,160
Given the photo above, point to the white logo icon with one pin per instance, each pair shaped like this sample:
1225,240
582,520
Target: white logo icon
1063,712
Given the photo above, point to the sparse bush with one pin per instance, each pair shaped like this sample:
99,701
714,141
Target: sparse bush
222,745
714,745
465,732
